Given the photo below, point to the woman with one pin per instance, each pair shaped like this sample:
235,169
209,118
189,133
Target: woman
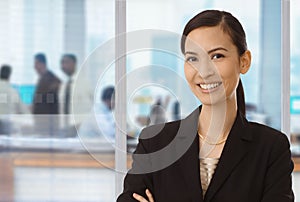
214,154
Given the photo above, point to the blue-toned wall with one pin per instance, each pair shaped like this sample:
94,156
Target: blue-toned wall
26,92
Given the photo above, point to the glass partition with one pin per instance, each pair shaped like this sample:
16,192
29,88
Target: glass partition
42,158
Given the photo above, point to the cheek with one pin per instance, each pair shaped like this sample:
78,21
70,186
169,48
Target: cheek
187,72
230,76
229,71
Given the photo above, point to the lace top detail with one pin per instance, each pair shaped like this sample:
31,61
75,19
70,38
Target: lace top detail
207,170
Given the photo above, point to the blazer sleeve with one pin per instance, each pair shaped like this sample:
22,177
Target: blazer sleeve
135,180
278,182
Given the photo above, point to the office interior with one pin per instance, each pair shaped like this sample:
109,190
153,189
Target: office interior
50,157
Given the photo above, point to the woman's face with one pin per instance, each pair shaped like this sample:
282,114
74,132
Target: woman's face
212,65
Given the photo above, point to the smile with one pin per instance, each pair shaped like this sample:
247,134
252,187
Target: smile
210,85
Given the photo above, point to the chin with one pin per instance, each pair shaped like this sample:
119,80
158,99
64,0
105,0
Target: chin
215,101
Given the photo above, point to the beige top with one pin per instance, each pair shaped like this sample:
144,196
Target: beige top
207,170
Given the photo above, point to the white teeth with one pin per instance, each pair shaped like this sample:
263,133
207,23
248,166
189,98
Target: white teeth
210,86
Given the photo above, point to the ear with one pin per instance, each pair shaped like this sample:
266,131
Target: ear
245,62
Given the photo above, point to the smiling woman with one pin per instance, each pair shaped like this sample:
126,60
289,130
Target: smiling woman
218,155
213,76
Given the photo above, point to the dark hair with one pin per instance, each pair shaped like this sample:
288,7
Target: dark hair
41,58
71,56
229,25
107,93
5,72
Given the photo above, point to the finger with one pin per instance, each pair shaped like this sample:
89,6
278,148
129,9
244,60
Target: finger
139,197
150,197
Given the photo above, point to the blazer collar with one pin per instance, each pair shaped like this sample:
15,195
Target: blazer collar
236,147
187,146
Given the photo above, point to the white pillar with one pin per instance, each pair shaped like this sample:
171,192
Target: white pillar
74,28
285,67
120,108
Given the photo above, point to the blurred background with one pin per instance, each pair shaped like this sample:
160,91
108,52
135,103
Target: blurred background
59,55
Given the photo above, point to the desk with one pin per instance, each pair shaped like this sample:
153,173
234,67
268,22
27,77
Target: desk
11,160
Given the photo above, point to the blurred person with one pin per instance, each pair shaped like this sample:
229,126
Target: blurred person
10,99
72,102
10,102
214,154
101,122
158,111
176,113
45,101
68,66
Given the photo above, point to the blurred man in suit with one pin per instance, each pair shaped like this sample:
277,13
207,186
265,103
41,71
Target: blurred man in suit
68,66
46,93
45,100
73,101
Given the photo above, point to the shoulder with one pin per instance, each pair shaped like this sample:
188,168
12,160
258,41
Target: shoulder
157,136
265,131
160,135
52,76
161,128
267,136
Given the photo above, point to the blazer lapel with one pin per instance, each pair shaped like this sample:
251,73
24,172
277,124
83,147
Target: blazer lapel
235,149
187,146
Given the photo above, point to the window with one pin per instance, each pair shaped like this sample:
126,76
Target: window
295,78
60,167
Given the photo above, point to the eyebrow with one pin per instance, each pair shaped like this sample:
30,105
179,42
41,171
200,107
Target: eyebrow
210,51
216,49
190,52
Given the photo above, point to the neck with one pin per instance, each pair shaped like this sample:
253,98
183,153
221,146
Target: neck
216,120
70,74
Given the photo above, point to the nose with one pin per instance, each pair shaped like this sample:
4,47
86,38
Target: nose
206,69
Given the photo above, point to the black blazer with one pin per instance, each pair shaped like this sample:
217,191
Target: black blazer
45,100
255,165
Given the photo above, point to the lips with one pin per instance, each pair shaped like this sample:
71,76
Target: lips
209,86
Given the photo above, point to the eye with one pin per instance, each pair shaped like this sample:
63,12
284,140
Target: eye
191,59
217,56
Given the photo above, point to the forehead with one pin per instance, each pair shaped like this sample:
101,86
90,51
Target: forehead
66,59
36,61
207,38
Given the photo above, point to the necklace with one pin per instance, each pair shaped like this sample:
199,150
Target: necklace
212,143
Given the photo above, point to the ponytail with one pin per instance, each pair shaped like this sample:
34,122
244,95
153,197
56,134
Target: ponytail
241,98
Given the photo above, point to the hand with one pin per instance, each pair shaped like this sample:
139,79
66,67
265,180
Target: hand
142,199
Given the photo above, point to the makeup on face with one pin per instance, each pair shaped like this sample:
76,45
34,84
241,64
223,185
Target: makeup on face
211,64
